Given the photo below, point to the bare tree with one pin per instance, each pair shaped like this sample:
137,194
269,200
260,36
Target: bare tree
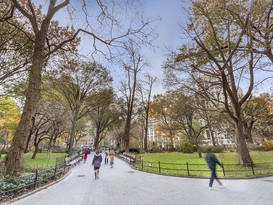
145,95
132,68
215,61
43,48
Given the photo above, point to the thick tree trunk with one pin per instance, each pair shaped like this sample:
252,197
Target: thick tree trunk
247,131
30,135
244,156
18,145
96,142
14,157
71,138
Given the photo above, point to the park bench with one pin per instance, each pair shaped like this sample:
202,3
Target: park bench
129,157
73,160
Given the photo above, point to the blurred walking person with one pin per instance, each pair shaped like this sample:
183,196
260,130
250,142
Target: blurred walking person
212,160
112,155
86,152
96,162
106,157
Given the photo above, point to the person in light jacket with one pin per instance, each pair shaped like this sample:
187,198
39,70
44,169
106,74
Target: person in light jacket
111,156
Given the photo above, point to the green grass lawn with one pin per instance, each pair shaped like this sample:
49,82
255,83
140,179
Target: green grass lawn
42,160
181,164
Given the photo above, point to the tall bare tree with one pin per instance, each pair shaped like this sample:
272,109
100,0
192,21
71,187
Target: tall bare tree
215,60
135,64
145,95
46,42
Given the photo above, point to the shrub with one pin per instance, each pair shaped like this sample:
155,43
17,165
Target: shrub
187,147
154,149
134,150
253,147
215,149
267,145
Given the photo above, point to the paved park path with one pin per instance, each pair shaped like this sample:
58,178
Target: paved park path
123,185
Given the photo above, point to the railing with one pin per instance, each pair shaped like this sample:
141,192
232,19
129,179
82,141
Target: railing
16,185
201,170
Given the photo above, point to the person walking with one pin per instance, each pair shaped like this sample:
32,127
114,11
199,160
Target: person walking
106,157
85,155
212,160
111,155
96,162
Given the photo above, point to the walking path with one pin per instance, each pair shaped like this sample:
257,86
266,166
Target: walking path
123,185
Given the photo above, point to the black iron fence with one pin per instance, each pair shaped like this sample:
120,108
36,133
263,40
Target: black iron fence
201,170
10,187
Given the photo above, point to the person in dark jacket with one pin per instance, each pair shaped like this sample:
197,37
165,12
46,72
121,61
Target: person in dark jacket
96,162
212,160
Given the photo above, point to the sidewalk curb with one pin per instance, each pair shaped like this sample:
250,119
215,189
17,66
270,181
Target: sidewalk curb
36,190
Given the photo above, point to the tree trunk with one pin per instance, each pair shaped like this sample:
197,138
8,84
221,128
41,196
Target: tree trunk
244,156
50,144
96,142
71,138
13,159
127,139
30,134
199,151
35,152
146,136
127,130
171,142
211,135
247,131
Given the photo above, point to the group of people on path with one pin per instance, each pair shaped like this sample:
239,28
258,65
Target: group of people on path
211,160
97,160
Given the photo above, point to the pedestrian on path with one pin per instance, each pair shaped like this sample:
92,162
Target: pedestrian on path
106,157
111,155
96,162
85,155
212,160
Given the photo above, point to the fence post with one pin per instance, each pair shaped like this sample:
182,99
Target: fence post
252,167
64,165
142,164
36,178
188,170
55,171
223,168
159,168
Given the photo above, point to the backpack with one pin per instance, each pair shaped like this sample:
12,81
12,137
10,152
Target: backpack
97,161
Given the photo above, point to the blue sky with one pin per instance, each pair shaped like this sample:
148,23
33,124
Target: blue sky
170,14
170,36
169,31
